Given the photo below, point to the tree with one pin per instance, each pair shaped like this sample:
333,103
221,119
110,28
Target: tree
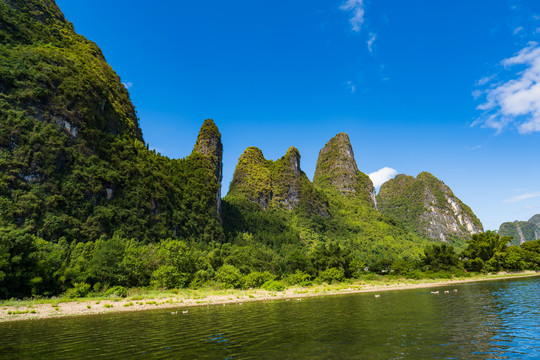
484,247
440,257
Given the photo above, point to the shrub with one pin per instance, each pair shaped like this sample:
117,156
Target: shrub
97,287
117,291
168,277
274,285
331,275
201,277
298,278
229,276
256,279
415,274
475,264
78,290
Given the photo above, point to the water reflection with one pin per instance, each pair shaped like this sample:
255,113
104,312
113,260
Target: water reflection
484,320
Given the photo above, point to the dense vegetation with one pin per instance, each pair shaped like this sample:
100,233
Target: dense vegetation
521,231
73,166
427,207
85,206
33,266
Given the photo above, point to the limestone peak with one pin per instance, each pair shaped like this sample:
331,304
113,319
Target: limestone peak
277,184
426,205
209,144
337,169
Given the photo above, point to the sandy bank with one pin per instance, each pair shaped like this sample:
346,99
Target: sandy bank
28,310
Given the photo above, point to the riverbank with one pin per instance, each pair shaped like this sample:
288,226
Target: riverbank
180,300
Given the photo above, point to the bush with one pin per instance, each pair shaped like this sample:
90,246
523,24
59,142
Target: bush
476,264
332,275
415,274
274,285
229,276
119,291
201,277
78,290
168,277
298,278
256,279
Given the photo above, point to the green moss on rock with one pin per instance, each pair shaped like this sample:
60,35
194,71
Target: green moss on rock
521,231
337,169
73,163
279,184
427,206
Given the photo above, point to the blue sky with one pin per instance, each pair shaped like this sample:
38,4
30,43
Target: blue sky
452,88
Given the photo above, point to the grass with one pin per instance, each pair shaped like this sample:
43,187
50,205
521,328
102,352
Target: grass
21,312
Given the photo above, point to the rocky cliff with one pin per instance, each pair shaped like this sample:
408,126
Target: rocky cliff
209,144
51,74
337,170
426,205
74,165
279,184
521,231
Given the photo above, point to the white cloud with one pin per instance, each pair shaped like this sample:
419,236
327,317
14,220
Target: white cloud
356,8
476,94
521,197
128,84
517,30
351,86
516,101
483,81
381,176
371,40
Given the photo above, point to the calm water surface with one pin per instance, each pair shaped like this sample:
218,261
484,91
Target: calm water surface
495,320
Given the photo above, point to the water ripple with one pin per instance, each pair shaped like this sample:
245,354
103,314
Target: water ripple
495,320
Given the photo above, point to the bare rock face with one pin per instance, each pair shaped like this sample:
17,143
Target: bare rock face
337,169
277,184
426,205
209,144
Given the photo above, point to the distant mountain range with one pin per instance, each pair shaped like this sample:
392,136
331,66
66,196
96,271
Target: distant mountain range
522,231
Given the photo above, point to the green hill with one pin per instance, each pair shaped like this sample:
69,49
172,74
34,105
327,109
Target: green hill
428,207
521,231
86,206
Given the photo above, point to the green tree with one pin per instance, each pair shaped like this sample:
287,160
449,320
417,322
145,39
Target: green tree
482,248
105,266
440,257
229,276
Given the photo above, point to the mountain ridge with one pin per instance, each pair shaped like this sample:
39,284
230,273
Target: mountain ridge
521,231
83,200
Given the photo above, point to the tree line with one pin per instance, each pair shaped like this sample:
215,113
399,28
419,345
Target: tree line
31,266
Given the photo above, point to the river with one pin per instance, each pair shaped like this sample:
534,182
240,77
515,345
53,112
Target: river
486,320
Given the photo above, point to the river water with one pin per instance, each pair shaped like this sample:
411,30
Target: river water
487,320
